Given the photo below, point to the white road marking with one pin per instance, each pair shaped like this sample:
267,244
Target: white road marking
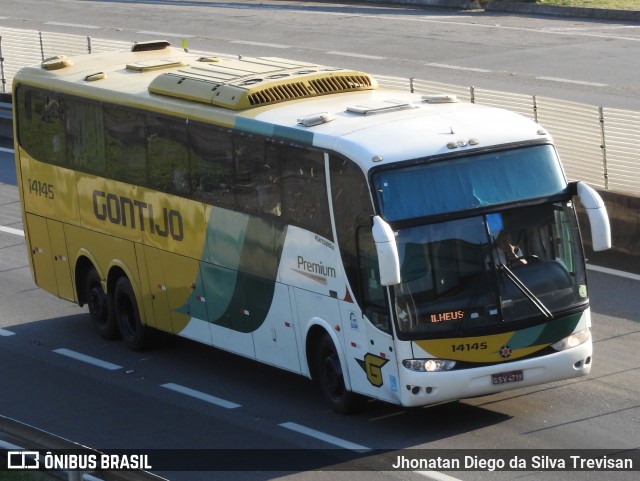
200,395
74,25
7,150
437,476
5,333
11,230
569,81
327,438
614,272
355,55
456,67
164,34
260,44
94,361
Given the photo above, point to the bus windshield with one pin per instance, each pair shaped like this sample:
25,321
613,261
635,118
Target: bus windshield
468,182
490,270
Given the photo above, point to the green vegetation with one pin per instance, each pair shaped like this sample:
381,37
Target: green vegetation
612,4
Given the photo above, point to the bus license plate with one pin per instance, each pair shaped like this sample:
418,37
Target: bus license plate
505,377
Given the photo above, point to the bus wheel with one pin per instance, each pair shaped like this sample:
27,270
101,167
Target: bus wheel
134,334
331,380
98,303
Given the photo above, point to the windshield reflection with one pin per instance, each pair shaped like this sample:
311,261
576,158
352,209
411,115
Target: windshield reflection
484,271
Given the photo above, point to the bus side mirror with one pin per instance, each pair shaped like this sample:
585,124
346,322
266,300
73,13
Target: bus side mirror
598,218
387,249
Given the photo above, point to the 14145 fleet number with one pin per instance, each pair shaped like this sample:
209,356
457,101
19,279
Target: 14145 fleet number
40,188
475,346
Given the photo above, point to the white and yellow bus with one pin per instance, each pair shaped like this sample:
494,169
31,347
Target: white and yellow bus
411,249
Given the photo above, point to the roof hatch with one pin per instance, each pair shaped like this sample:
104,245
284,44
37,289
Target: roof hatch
379,107
154,64
56,63
149,45
244,83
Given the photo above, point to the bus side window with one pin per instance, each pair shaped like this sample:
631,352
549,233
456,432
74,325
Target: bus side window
168,154
352,209
27,127
85,137
373,293
304,190
211,165
268,186
126,149
251,174
42,118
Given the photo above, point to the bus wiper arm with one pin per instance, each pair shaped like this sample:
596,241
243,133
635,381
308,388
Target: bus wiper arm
526,291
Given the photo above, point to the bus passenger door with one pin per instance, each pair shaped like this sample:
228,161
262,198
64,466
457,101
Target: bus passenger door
380,361
370,354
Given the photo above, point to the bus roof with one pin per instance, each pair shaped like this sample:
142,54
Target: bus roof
330,108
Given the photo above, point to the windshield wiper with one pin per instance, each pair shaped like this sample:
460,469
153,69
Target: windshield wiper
526,291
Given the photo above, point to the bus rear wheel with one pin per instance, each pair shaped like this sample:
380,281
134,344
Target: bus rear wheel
331,380
134,334
98,303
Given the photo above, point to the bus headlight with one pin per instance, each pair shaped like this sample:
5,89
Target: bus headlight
573,340
428,365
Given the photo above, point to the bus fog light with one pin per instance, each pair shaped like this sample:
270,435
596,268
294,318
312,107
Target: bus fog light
428,365
573,340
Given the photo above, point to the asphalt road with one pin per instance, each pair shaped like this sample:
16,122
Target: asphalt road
587,61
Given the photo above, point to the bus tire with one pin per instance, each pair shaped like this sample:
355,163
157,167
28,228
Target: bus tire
134,334
331,379
98,302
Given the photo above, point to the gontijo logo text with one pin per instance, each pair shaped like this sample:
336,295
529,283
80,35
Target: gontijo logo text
136,214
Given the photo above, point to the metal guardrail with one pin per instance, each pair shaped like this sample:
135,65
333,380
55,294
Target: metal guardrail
15,435
6,121
5,111
19,47
598,145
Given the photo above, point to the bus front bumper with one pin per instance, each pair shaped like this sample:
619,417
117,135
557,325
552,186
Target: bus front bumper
425,388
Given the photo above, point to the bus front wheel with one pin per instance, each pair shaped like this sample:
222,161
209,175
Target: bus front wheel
331,379
98,303
134,333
